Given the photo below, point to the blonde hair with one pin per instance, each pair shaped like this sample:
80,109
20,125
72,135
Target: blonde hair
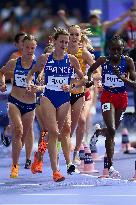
84,39
86,42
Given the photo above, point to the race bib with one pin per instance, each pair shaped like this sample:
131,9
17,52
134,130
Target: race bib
55,83
106,107
20,80
113,81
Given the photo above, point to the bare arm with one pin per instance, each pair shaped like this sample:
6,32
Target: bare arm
62,15
39,66
121,30
108,24
7,69
88,58
131,81
95,65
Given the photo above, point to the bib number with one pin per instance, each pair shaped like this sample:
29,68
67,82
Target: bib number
20,80
106,107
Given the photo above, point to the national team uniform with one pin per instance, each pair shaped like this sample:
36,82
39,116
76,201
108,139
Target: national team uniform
75,95
114,89
20,75
57,73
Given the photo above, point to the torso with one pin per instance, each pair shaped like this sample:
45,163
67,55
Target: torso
19,83
79,56
110,81
57,72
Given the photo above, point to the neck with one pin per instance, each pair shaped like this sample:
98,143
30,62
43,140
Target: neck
58,55
27,59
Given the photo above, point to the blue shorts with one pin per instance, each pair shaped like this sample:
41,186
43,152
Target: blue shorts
57,98
23,107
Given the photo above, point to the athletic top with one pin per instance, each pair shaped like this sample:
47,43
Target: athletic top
20,74
97,36
110,81
83,65
57,72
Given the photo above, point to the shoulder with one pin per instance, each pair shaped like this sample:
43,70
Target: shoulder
128,59
43,58
12,61
14,55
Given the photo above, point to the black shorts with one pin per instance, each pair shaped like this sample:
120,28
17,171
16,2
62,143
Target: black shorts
75,97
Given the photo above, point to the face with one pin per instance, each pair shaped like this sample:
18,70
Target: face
75,35
116,49
29,47
94,21
61,43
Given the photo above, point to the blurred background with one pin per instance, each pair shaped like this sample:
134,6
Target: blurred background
39,17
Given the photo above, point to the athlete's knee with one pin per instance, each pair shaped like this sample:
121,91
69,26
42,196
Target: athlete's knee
53,133
81,123
18,130
66,129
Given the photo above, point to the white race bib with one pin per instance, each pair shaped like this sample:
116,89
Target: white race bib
20,80
55,83
113,81
106,107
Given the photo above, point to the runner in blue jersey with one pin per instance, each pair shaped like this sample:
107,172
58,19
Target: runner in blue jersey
114,98
55,102
21,104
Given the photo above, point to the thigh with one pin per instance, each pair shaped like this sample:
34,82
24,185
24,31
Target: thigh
108,113
27,121
62,113
75,112
86,109
39,117
66,129
49,114
119,114
14,115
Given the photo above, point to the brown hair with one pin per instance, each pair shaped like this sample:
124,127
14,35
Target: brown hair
29,38
18,35
60,31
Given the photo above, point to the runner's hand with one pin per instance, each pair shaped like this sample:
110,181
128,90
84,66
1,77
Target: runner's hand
65,88
3,88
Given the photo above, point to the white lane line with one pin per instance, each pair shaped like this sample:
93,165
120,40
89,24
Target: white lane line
83,185
43,194
29,184
114,195
101,195
49,204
